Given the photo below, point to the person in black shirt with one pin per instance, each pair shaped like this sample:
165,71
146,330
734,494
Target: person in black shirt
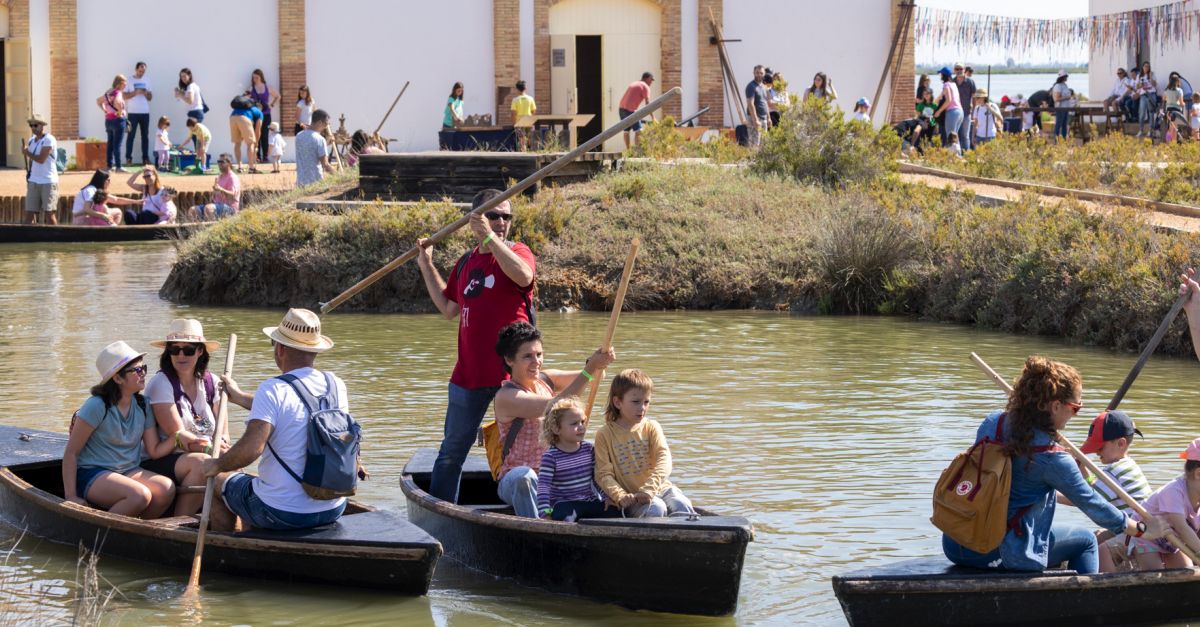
914,133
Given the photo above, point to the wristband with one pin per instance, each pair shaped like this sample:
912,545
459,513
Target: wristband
547,511
208,450
487,239
178,443
1141,529
587,375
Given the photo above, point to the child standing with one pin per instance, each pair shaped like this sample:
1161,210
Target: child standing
862,110
162,143
522,105
566,490
954,147
1194,115
200,133
276,143
1179,503
633,461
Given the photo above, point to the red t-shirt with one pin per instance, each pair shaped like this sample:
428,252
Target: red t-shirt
635,95
488,301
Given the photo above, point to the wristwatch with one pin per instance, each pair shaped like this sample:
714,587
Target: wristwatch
1141,528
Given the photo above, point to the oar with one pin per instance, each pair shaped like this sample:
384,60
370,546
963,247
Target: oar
524,184
389,111
193,585
618,302
1151,346
1091,466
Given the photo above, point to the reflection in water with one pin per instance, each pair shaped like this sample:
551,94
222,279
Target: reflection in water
827,432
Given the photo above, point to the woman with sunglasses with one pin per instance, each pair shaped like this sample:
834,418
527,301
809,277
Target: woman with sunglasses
109,435
183,397
1045,397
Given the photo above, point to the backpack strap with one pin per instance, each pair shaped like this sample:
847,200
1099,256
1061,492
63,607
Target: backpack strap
310,403
511,438
458,265
210,391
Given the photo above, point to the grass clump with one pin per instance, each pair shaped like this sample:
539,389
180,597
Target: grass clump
815,143
662,141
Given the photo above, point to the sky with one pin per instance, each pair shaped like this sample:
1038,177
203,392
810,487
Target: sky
1046,9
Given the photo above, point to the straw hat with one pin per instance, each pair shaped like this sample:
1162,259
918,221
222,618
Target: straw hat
36,119
186,330
113,358
301,330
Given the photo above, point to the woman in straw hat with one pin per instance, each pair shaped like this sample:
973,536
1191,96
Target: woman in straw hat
103,470
183,397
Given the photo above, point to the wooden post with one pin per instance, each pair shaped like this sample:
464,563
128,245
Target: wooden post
902,22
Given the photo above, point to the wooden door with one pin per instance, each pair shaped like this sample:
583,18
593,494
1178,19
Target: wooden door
626,56
563,99
18,89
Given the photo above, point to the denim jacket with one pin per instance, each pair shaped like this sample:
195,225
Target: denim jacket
1034,481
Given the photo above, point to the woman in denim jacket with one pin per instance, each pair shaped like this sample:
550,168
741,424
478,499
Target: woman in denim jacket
1044,399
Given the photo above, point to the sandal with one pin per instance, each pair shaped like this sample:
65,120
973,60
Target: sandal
253,170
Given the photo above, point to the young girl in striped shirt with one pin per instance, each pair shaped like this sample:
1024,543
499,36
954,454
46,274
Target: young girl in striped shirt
566,488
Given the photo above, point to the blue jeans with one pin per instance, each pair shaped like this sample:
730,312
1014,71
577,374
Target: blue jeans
1075,545
667,502
464,413
953,122
518,487
138,121
1146,106
964,133
1061,119
238,493
114,131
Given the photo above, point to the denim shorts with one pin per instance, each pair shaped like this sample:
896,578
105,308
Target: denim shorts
84,478
239,497
637,126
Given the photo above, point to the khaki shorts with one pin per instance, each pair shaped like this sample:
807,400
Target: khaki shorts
41,197
241,129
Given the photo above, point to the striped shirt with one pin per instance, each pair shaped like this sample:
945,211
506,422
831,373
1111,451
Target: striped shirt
1129,476
566,476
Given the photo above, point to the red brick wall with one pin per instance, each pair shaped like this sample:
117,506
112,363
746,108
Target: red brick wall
506,44
292,70
672,60
712,86
64,68
18,18
904,86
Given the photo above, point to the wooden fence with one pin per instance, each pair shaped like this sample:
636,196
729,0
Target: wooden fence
12,208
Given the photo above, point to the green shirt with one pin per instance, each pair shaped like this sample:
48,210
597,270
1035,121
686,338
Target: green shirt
453,107
116,443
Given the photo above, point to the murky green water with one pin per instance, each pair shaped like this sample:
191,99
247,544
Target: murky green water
827,432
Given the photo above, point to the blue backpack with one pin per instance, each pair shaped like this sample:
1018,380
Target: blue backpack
331,457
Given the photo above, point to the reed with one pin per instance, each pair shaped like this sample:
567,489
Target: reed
85,601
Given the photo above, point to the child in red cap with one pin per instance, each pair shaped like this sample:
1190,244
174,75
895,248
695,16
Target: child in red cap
1178,503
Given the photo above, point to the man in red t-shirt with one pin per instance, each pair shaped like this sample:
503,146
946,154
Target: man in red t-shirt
488,289
637,94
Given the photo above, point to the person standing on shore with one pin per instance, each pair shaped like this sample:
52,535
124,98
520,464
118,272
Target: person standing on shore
1061,94
112,103
41,185
312,153
637,94
758,116
966,95
951,106
266,98
489,288
137,108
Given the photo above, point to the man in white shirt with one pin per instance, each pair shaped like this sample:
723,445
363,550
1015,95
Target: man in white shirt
137,109
278,426
1121,88
41,187
312,152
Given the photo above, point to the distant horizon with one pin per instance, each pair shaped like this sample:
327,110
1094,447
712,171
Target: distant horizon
1067,56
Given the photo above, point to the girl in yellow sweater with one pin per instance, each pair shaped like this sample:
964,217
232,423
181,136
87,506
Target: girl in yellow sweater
633,461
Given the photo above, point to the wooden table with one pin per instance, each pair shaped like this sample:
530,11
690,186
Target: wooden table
570,124
1080,114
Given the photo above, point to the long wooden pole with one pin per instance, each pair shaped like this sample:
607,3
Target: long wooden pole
1151,346
1092,468
389,111
193,584
897,42
618,303
727,74
521,186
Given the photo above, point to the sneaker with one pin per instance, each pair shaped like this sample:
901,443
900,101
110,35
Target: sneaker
1139,135
119,169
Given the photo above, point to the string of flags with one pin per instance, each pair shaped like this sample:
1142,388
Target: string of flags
1167,24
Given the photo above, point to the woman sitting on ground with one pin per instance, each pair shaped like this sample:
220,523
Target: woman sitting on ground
1044,399
84,205
156,209
183,398
520,404
361,144
108,437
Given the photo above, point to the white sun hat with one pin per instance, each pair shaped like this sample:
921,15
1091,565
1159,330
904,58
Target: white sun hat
301,330
114,357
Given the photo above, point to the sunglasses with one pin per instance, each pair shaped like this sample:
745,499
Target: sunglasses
1075,407
141,370
493,215
186,350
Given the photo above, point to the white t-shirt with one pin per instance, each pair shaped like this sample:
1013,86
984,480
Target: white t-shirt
1062,91
46,171
138,103
304,112
1194,118
162,140
193,93
277,404
862,117
985,123
277,144
310,149
197,417
85,195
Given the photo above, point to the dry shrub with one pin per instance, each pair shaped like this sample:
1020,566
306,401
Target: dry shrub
858,250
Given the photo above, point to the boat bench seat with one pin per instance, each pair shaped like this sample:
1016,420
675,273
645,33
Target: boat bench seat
377,528
942,568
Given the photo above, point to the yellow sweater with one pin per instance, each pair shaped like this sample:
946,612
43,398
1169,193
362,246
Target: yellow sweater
632,460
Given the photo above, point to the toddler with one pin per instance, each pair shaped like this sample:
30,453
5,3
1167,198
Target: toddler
202,137
862,110
633,461
954,146
162,143
102,214
566,489
1194,115
275,141
1176,503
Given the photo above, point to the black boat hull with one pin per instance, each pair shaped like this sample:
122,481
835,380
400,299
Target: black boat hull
45,233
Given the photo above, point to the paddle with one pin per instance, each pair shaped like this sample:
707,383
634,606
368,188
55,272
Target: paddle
1151,346
521,186
193,585
618,302
1091,466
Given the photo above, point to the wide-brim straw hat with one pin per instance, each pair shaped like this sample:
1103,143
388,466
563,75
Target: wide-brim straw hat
186,331
300,329
37,119
114,357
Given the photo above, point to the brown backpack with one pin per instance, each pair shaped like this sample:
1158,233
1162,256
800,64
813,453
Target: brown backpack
970,501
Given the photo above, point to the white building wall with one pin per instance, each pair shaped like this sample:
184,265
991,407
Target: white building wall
411,40
689,57
221,42
848,40
528,66
1174,57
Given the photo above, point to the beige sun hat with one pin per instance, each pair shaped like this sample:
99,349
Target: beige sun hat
113,358
301,330
37,119
186,330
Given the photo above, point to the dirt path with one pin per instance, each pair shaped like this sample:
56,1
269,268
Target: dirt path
1155,218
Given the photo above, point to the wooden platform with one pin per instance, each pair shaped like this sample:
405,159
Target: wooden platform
458,176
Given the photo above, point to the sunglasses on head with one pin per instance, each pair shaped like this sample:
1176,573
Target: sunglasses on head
141,369
493,215
188,350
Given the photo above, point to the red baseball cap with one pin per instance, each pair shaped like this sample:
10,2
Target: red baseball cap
1108,426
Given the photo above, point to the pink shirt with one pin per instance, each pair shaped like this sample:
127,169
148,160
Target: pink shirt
111,99
1172,499
637,93
229,181
950,92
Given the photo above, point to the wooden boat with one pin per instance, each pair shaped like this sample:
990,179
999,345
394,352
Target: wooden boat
26,233
932,591
682,565
365,548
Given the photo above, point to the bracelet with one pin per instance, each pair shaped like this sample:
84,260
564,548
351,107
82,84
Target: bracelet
487,239
547,511
587,375
178,443
208,450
